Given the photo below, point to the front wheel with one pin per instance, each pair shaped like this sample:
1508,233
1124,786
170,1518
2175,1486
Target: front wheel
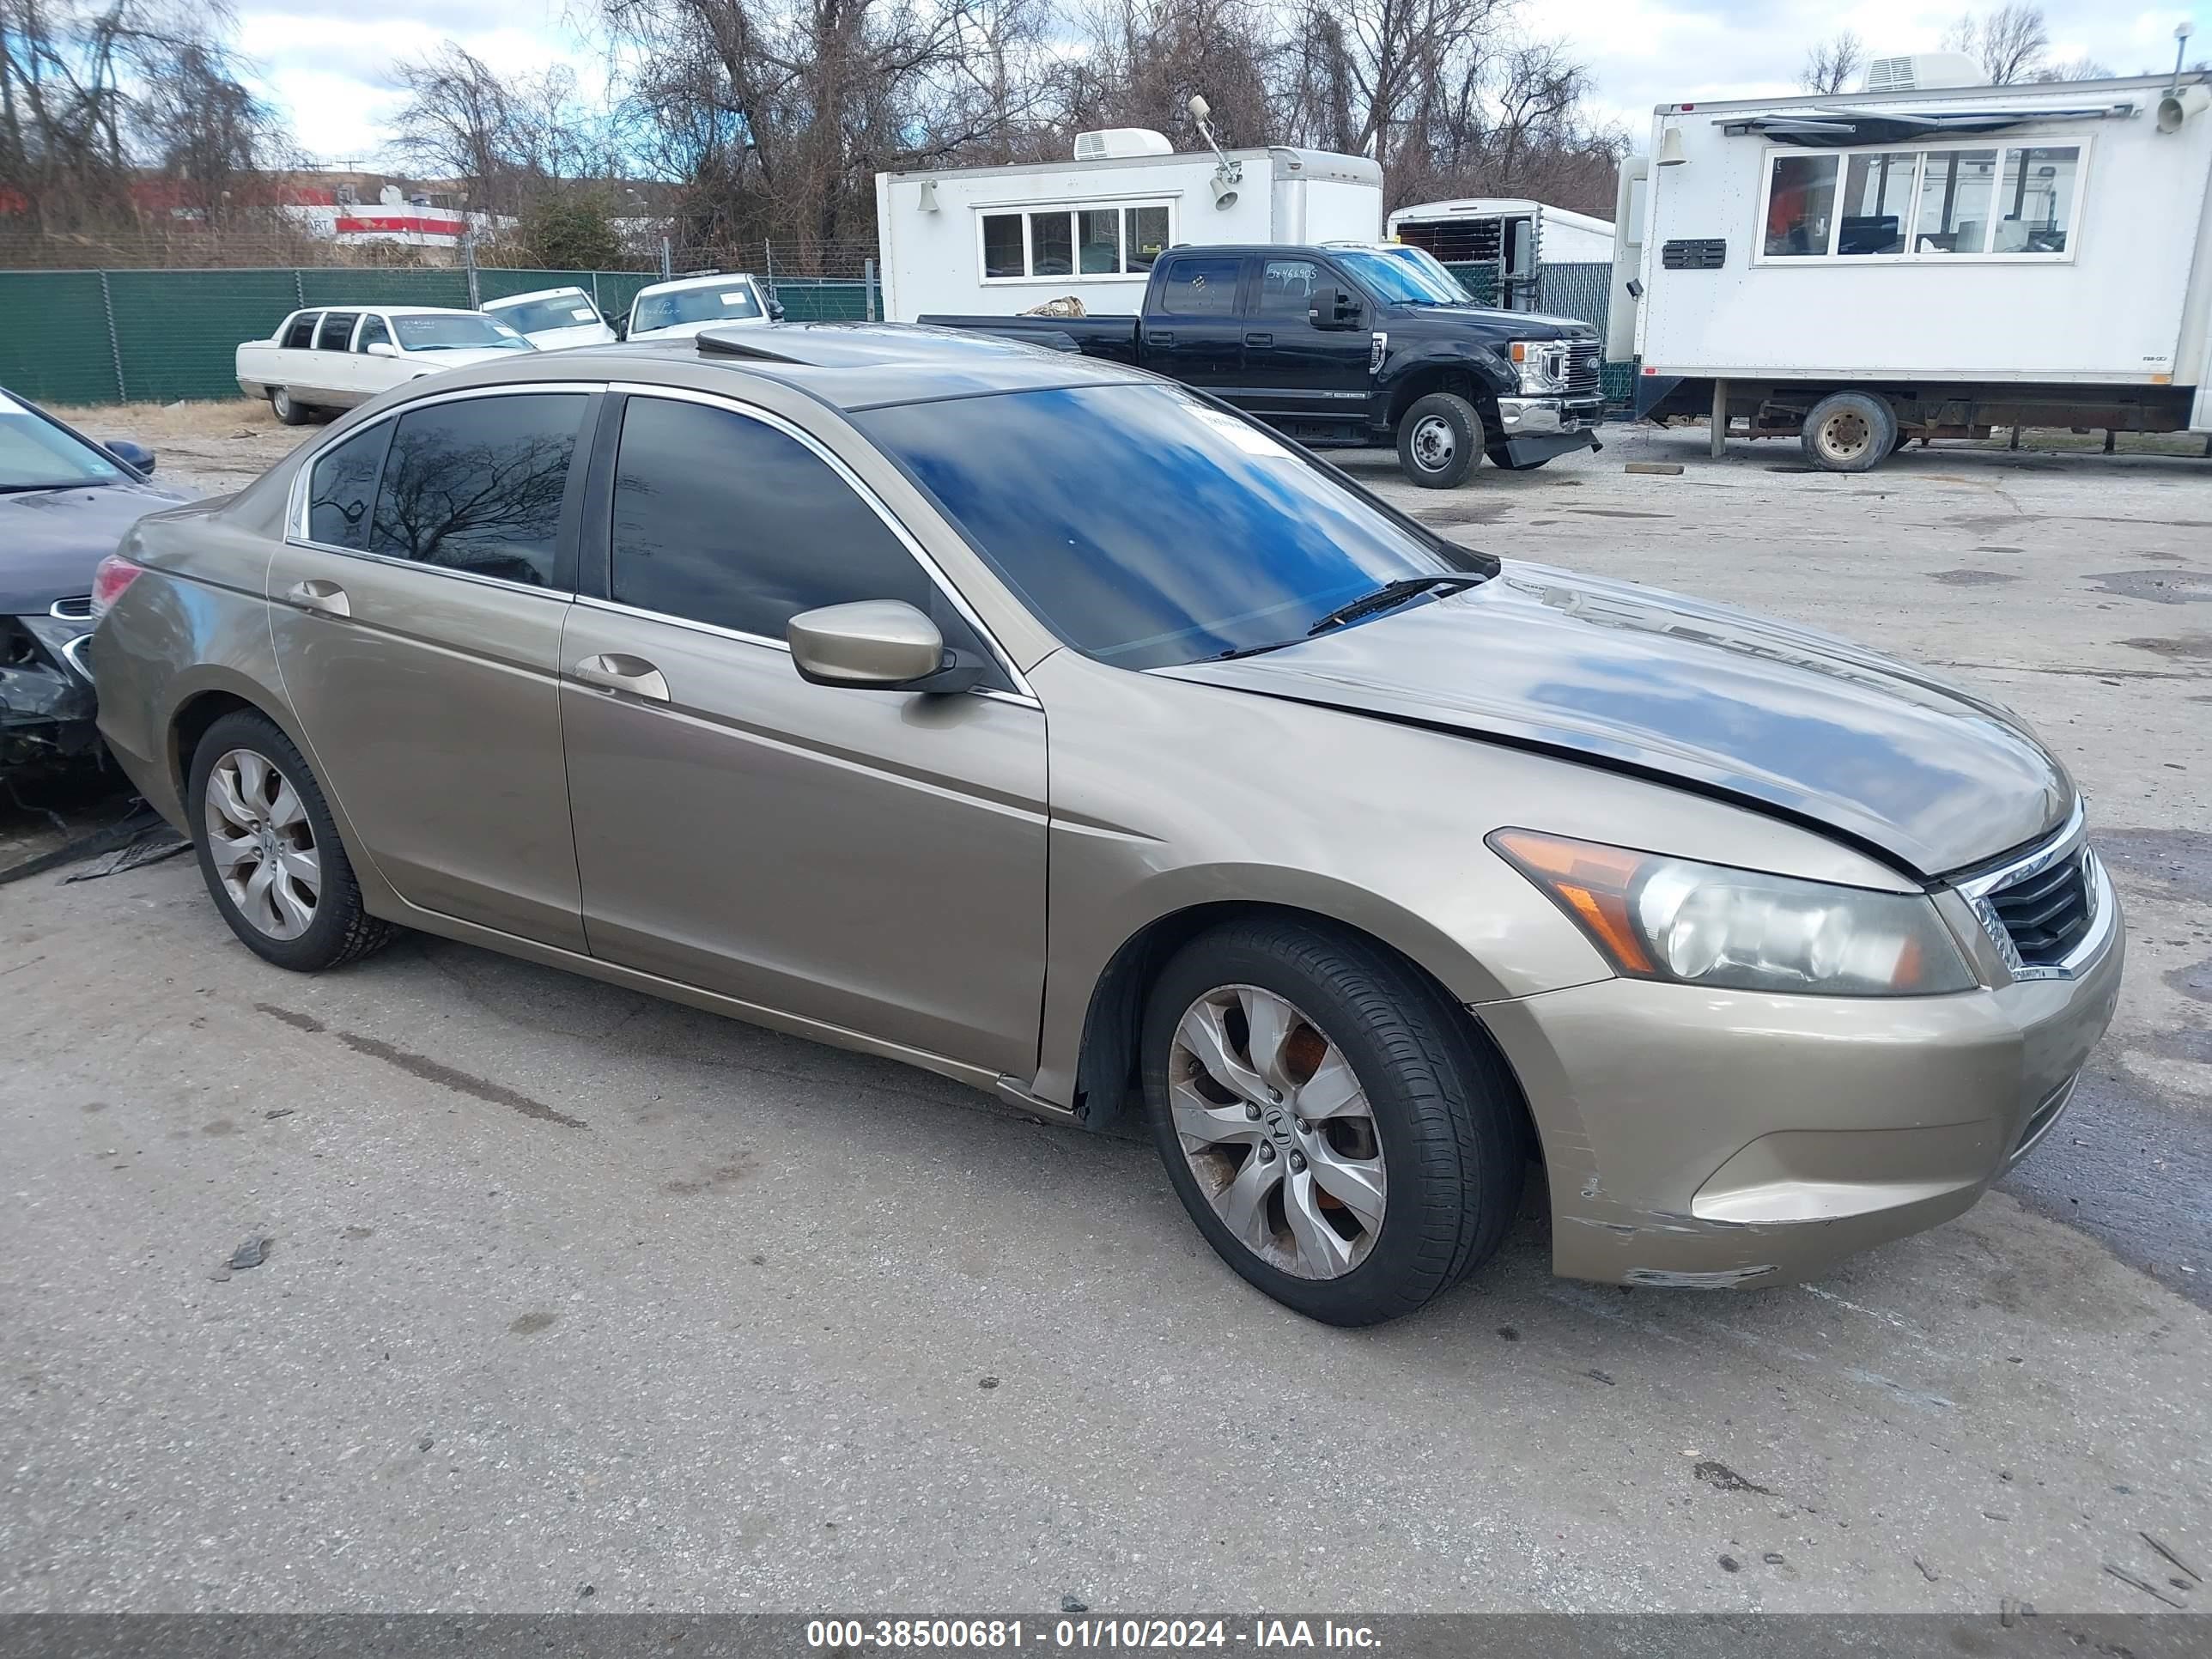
1849,432
1336,1133
1439,440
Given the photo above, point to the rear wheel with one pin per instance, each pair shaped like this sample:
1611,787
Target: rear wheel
288,409
271,854
1849,432
1332,1127
1439,440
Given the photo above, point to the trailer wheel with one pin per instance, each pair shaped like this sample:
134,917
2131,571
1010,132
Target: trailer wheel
1439,440
1849,432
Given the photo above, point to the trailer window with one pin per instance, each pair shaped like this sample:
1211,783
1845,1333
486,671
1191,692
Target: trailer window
1877,195
1955,201
1799,206
2035,199
1070,241
1913,205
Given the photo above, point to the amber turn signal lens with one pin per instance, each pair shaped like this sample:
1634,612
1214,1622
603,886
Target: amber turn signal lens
1593,882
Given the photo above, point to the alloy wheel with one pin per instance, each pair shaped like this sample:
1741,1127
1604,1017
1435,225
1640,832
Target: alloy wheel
263,844
1277,1131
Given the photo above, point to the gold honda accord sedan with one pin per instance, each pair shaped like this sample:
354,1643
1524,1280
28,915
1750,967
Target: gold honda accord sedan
1054,728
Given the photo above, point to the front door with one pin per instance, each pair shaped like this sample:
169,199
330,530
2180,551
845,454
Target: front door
417,631
1193,330
871,859
1292,370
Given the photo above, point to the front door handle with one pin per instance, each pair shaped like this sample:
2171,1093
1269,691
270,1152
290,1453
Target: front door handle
616,672
1259,339
324,598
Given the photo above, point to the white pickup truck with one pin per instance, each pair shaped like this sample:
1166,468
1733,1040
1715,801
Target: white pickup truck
337,356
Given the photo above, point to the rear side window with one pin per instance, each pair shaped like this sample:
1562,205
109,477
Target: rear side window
722,518
302,332
1201,287
336,330
475,485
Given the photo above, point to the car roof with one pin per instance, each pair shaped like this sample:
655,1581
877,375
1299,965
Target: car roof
534,294
848,366
712,279
389,311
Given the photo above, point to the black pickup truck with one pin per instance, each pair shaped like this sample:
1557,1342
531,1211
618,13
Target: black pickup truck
1341,346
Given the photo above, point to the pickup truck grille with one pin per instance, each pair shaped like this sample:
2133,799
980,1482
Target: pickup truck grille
1584,379
2046,914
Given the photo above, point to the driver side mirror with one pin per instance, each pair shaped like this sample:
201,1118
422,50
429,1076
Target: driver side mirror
131,453
877,645
1330,306
381,349
775,311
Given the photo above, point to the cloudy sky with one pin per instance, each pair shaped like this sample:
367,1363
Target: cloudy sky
326,62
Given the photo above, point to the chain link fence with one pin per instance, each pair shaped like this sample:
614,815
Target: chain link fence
1583,290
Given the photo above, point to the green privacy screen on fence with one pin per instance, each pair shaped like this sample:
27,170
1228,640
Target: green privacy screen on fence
107,337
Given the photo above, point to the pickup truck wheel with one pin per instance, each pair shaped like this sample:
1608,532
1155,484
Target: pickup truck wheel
288,409
1439,440
1849,432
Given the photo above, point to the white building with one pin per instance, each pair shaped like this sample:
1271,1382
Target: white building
1968,256
998,240
1515,232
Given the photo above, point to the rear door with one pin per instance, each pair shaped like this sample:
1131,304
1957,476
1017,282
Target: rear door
335,378
1193,328
417,605
1293,370
874,860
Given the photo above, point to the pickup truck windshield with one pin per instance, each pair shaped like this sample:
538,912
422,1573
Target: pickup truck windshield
457,332
1401,281
1146,527
694,305
36,454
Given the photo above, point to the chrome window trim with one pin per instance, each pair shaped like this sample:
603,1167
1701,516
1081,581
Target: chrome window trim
1024,692
2097,889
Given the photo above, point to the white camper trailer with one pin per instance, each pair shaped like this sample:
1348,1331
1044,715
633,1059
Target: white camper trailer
998,240
1518,235
1923,259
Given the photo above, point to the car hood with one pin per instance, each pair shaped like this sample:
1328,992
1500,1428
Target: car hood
50,540
1880,753
1512,324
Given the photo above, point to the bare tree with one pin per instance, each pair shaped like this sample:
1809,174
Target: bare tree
2074,68
506,138
1830,66
2010,43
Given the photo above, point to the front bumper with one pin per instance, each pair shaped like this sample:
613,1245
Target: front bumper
47,707
1704,1138
1536,429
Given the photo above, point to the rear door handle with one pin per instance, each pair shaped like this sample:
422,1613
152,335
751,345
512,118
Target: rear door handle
1259,339
1159,337
323,597
615,671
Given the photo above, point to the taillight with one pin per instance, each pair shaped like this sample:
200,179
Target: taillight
114,574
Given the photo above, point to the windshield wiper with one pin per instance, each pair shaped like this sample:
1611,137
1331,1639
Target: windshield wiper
32,489
1388,595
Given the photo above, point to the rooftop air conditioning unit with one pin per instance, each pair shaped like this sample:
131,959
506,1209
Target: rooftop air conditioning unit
1110,143
1921,70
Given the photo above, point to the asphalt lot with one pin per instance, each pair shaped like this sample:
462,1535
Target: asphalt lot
579,1300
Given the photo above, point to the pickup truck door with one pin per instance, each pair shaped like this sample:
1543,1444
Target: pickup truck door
1193,329
1292,370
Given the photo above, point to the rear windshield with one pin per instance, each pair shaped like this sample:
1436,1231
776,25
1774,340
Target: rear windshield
1145,526
455,331
694,305
536,316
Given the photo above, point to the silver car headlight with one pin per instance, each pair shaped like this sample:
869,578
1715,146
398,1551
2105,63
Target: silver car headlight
1655,917
1542,365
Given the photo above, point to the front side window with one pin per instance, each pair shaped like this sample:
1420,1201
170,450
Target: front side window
1144,526
373,332
476,485
1201,287
336,331
300,335
722,518
1073,241
1286,288
1922,203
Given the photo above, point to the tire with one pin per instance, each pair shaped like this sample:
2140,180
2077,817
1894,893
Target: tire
1439,440
1431,1137
1849,432
287,408
278,807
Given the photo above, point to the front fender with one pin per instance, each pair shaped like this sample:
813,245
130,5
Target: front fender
1403,366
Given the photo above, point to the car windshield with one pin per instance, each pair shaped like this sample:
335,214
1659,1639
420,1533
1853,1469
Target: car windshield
454,332
36,454
1436,271
722,304
1401,281
1145,526
555,311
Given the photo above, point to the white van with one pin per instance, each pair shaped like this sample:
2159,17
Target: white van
677,310
553,319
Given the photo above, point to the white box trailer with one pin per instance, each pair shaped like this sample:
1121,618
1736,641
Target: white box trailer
998,240
1513,232
1923,261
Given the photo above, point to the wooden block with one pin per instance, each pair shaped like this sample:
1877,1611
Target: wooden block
1660,468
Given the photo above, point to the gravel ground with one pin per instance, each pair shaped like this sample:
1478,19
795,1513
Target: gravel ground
570,1287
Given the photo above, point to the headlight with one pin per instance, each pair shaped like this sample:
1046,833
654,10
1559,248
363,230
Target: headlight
1542,365
1704,923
